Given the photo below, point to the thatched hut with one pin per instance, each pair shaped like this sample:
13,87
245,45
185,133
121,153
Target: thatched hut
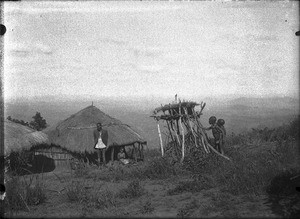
18,137
19,148
75,134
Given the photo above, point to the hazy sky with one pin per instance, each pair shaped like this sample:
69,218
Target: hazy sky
150,48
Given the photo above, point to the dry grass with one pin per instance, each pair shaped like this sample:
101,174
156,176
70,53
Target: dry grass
221,183
133,190
21,193
188,209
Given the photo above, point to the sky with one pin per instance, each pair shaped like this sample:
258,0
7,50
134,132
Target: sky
140,49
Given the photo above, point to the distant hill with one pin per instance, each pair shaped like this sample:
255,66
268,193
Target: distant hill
240,114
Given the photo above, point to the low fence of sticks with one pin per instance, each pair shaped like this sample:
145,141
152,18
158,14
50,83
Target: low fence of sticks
184,129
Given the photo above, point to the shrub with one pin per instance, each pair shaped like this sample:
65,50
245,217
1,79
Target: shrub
146,207
76,192
133,190
160,168
188,209
248,172
282,196
81,168
35,195
15,195
22,193
105,199
293,128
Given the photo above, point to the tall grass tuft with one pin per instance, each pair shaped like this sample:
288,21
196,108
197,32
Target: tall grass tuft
76,192
160,168
105,199
22,193
133,190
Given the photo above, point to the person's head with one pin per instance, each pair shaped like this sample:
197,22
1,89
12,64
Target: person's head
212,120
221,122
122,150
99,126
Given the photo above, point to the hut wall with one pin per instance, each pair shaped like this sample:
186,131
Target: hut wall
61,158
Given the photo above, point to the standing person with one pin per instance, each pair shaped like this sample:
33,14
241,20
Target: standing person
216,131
220,124
100,140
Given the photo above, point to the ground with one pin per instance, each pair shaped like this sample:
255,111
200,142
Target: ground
155,200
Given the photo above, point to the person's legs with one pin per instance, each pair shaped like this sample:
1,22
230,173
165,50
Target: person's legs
103,155
218,146
221,147
99,156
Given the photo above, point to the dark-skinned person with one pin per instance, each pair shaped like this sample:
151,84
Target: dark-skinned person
220,124
100,140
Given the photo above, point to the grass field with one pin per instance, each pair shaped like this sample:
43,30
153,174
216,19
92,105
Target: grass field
260,181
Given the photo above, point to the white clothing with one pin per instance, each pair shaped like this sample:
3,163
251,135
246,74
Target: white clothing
100,144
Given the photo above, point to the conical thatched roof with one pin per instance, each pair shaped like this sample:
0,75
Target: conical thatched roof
76,132
18,137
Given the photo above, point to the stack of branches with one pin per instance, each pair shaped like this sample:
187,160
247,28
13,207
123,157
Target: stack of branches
184,130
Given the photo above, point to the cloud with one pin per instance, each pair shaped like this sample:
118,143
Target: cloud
147,51
28,49
86,7
262,38
112,41
150,68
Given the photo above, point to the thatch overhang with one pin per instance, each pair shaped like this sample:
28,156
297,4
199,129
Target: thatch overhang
18,137
76,132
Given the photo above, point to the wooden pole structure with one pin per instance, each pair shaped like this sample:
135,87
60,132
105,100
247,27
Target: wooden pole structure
200,130
112,153
142,151
169,127
135,154
160,140
177,137
182,131
191,127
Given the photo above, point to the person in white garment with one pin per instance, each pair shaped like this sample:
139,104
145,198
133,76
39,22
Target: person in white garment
100,140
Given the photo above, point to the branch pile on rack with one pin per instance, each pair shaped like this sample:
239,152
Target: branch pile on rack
184,129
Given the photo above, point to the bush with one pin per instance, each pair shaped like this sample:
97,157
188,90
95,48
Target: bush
146,207
81,168
15,195
293,128
248,172
133,190
105,199
76,192
20,193
188,209
282,195
160,168
35,195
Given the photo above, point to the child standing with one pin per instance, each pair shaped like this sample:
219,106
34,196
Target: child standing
220,124
217,133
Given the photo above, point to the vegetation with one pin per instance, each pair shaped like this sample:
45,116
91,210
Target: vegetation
38,123
22,193
263,162
133,190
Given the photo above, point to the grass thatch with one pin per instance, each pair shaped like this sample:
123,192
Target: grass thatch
76,132
18,137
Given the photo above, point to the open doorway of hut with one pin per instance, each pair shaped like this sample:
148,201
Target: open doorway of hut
133,152
27,163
